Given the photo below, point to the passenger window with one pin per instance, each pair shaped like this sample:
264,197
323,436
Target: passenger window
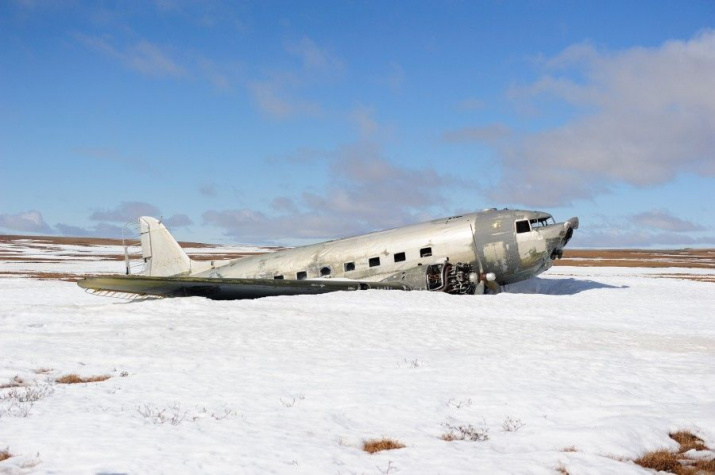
278,277
374,261
399,257
426,252
349,266
325,271
302,275
522,227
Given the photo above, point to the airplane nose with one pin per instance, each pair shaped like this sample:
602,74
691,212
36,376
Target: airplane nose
569,225
564,236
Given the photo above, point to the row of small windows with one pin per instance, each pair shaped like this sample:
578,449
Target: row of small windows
350,266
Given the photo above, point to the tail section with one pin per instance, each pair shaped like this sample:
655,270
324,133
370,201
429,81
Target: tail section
161,253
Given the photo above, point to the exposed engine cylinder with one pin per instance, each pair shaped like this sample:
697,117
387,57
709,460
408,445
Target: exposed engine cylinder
451,278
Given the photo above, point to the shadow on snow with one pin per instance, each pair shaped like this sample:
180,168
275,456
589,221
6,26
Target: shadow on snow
568,286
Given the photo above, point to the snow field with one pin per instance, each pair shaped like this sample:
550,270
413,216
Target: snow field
606,361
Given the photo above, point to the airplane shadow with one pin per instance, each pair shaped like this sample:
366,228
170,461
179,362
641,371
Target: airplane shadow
568,286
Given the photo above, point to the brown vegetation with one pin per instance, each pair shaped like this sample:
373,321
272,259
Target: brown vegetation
561,468
66,276
660,460
41,245
678,462
5,454
687,258
76,379
15,382
79,241
688,441
377,445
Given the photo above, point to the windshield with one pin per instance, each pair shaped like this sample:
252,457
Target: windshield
541,222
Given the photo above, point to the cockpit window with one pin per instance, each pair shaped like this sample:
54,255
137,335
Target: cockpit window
541,222
522,227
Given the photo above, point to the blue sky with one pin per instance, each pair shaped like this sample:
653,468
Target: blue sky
293,122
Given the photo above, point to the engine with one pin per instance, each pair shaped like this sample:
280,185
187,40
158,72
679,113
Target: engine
458,279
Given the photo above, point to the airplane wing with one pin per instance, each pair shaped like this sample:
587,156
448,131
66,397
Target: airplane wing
222,289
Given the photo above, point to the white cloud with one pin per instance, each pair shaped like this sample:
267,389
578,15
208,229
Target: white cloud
395,76
488,133
648,229
638,239
104,230
177,221
208,189
663,220
365,192
273,101
127,211
142,56
470,104
363,117
28,221
277,95
314,57
646,114
284,204
215,73
113,155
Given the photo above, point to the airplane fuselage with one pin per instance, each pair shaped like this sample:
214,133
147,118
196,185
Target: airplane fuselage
465,254
511,245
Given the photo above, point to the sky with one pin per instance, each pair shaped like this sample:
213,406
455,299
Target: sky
294,122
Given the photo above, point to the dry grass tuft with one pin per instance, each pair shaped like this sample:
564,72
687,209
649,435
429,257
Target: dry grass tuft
561,468
465,432
15,382
5,454
688,441
660,460
377,445
76,379
704,466
678,462
571,448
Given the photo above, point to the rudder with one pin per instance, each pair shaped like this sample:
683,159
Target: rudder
161,253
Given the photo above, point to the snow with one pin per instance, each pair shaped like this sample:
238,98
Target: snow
604,360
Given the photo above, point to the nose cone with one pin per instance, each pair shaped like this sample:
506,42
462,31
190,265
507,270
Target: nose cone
558,235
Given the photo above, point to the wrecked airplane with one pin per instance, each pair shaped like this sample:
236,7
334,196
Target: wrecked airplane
474,253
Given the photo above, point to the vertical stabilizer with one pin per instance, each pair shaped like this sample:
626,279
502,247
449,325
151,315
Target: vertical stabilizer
161,253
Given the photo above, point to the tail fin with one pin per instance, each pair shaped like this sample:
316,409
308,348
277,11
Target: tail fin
161,253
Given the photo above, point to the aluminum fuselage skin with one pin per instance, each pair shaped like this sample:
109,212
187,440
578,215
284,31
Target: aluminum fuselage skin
487,240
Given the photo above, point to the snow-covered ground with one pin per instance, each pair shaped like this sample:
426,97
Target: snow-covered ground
583,369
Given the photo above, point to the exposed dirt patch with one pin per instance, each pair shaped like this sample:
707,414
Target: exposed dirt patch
68,277
688,258
49,250
78,241
695,277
